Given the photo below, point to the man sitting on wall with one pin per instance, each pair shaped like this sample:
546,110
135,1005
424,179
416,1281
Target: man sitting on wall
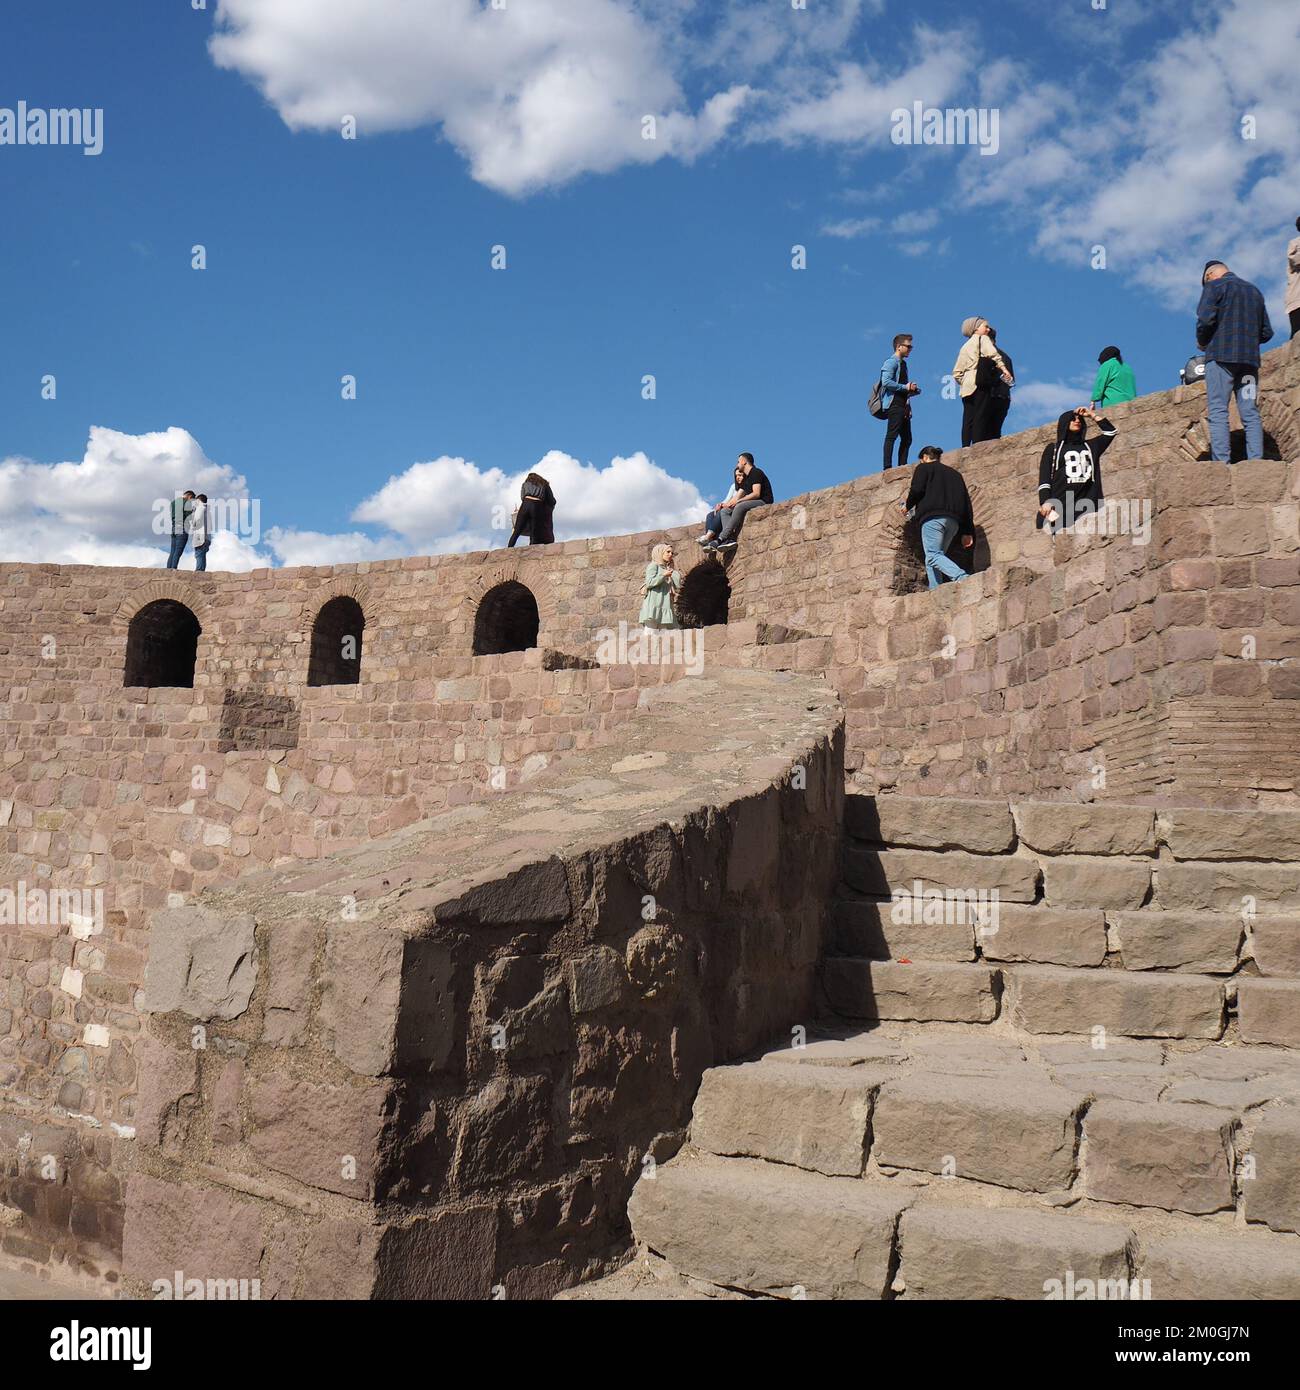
755,491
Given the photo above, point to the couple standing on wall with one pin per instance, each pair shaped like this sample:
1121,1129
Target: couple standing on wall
191,518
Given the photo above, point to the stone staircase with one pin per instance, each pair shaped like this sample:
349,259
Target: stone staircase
1093,1076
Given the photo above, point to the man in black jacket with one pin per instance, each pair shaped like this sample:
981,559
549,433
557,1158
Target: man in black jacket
943,512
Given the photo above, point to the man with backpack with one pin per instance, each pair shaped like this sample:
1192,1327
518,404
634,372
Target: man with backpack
891,400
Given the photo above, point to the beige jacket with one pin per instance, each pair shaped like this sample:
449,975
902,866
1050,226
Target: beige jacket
1293,275
963,369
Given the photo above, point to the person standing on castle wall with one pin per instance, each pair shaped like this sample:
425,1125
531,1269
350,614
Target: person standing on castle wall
974,387
1069,473
181,509
1231,325
1000,402
1293,282
897,392
943,512
534,518
713,522
757,493
663,582
1115,382
199,526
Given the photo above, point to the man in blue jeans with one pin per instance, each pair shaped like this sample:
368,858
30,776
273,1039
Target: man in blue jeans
1231,323
181,508
943,511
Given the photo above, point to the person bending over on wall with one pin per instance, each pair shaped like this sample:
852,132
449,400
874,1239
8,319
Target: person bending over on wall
1069,473
943,512
713,522
536,510
756,491
1115,382
663,582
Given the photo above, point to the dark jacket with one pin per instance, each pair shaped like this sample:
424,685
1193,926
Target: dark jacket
938,490
536,515
1069,473
1232,321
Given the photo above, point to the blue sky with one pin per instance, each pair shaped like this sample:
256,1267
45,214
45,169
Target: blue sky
626,257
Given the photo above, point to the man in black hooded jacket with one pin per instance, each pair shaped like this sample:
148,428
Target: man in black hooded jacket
1069,474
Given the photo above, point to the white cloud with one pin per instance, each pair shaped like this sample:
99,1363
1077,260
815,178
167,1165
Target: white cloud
100,510
532,94
1038,402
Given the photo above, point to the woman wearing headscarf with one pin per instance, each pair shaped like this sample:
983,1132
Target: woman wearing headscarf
979,364
1069,473
536,510
1115,380
663,582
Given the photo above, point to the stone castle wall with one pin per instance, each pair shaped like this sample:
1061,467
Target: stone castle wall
1078,669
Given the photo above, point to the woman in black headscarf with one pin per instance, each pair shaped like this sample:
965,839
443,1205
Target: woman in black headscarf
536,510
1115,381
1069,473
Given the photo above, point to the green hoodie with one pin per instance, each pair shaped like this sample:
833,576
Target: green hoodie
1115,383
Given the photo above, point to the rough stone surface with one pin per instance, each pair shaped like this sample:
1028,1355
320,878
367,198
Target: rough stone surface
1273,1192
1171,1156
925,822
201,962
1085,881
1020,1136
885,872
922,990
1053,936
806,1116
1196,941
749,1225
1061,828
1005,1252
1208,1266
1049,999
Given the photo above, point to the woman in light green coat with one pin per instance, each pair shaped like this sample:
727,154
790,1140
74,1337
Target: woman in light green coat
662,585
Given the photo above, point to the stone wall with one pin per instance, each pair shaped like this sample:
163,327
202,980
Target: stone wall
437,1064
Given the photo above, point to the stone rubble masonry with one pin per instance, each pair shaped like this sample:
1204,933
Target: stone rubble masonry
475,1028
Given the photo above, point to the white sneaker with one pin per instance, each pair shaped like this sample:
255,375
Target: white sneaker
705,538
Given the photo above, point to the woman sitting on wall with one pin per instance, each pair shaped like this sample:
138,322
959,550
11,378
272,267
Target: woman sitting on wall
534,518
1115,381
663,582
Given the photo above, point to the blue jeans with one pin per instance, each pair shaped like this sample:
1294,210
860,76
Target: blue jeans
713,522
1224,379
736,517
937,535
178,546
201,556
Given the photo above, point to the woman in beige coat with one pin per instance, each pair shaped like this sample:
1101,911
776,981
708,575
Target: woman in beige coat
978,365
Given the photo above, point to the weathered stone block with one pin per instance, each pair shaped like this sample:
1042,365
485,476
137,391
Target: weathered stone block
1155,940
926,991
201,962
536,892
168,1094
1054,936
952,1253
1273,1192
889,930
814,1118
1063,828
1052,999
931,822
205,1232
1173,1156
597,979
768,1229
1214,834
1084,881
1270,889
330,1137
987,1130
1277,945
1269,1011
1213,1266
882,873
291,950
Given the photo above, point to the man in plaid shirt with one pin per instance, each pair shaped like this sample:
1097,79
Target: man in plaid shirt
1231,323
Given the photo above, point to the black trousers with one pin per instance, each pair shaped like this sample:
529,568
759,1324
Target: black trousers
977,417
1295,322
899,427
525,521
998,412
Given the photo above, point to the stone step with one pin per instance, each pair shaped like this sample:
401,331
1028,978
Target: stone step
921,991
746,1224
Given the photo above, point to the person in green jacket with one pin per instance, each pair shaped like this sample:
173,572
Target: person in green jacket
662,585
1115,381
